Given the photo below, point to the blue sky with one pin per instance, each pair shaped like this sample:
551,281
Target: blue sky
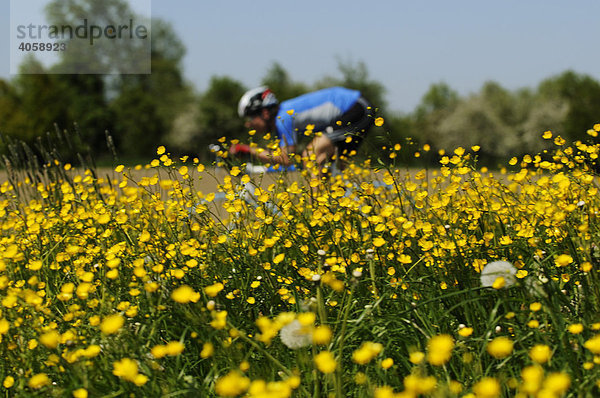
407,45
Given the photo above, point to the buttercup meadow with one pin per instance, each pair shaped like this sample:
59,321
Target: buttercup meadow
450,281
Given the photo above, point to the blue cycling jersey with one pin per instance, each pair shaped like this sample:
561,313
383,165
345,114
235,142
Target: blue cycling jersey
320,108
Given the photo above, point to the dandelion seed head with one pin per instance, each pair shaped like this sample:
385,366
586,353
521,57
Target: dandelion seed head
498,269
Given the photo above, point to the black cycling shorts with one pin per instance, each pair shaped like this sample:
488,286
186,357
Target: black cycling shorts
347,134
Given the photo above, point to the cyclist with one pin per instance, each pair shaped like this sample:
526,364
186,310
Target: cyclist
339,118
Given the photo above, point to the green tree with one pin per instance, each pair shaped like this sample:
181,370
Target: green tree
279,81
581,93
501,122
121,54
138,109
87,107
217,116
147,105
439,97
436,105
13,121
39,99
501,101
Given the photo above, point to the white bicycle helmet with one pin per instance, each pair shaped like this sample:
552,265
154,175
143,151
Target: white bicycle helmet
256,99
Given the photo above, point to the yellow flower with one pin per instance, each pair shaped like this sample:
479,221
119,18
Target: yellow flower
439,349
532,379
540,353
387,363
535,307
219,319
244,366
159,351
207,350
322,335
4,326
557,382
563,260
174,348
593,344
50,339
366,352
111,324
92,351
35,265
384,392
534,324
465,332
38,381
185,294
575,328
416,357
388,179
488,387
325,362
140,379
126,368
144,236
500,347
416,385
9,381
455,387
213,290
378,241
232,384
80,393
521,274
307,318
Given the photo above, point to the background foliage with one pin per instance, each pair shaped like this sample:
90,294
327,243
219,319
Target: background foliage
141,110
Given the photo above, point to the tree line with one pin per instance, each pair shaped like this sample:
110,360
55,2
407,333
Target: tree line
140,112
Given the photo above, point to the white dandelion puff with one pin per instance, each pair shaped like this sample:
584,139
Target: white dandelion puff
498,269
295,336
